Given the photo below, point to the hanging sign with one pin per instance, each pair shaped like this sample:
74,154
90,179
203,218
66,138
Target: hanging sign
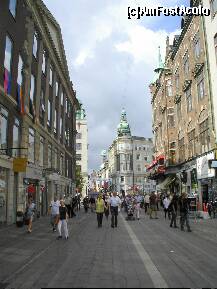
19,165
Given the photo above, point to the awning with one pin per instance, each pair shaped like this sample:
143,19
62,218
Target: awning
166,183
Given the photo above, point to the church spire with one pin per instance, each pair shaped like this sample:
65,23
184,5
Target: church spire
123,127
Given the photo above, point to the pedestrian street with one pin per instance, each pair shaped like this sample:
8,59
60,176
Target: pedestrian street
136,254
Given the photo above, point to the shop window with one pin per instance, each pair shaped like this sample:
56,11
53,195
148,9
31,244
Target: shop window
13,7
16,139
8,65
200,86
31,147
3,128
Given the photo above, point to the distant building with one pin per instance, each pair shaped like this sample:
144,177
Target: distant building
128,158
82,146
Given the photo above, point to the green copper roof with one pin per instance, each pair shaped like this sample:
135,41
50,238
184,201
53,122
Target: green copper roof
80,113
123,127
159,68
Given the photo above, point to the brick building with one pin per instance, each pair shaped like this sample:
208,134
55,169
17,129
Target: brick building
37,109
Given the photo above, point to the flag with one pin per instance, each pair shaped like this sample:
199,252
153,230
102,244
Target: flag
7,81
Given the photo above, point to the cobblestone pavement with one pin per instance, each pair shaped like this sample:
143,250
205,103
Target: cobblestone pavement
137,254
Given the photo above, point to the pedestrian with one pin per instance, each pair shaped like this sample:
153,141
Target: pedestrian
114,202
147,203
166,203
68,204
86,204
153,205
106,208
30,211
54,206
100,207
137,207
173,207
92,204
184,212
73,206
63,221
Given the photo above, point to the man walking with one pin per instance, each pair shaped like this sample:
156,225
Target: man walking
153,205
147,202
114,202
166,203
54,206
63,221
184,212
173,206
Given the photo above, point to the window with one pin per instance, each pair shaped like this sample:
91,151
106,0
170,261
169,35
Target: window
200,86
41,152
78,136
62,98
32,96
215,43
78,157
49,112
186,63
138,156
35,45
78,146
177,81
7,65
31,149
61,127
171,119
67,168
56,159
57,88
49,154
146,159
189,100
16,128
172,153
139,168
61,164
3,127
55,121
51,76
66,105
197,48
19,85
122,179
213,7
204,135
191,144
19,72
179,110
44,62
169,87
181,149
42,107
12,7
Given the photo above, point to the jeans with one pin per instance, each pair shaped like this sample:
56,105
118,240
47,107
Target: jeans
63,223
114,220
146,207
173,220
99,219
184,219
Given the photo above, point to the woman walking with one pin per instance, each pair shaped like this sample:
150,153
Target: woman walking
30,211
63,221
106,208
100,207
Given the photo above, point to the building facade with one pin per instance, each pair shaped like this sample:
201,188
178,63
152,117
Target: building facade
128,158
183,115
82,147
37,109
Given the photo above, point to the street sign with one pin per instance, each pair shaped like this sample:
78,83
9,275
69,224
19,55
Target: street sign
19,165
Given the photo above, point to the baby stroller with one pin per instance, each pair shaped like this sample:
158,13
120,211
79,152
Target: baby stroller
130,213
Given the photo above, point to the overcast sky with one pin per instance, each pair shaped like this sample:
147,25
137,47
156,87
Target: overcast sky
111,61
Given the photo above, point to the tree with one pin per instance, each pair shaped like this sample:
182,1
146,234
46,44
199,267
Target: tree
79,179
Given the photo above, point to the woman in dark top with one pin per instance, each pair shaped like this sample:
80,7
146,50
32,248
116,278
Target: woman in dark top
63,221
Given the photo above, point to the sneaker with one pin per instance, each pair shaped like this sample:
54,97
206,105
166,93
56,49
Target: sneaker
59,237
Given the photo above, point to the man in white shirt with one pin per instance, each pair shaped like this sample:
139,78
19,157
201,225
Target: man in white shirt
55,212
166,203
115,203
147,202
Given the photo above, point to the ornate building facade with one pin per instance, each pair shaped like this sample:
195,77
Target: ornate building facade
183,114
37,109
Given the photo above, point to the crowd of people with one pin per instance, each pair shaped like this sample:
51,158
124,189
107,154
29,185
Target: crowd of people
111,204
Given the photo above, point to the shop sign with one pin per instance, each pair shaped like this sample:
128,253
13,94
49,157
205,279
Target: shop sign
203,169
19,165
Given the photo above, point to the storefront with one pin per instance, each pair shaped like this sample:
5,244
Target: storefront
206,178
3,194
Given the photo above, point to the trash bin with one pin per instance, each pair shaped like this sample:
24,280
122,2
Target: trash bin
20,220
